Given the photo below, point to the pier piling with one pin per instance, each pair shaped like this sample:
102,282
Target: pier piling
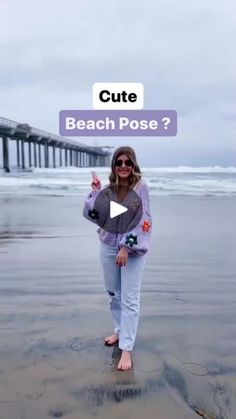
75,153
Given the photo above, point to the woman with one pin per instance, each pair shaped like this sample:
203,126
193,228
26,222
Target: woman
123,256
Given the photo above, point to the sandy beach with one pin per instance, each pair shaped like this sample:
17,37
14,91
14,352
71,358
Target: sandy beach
54,314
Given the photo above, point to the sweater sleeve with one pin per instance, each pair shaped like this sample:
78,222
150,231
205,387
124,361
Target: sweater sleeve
88,210
137,241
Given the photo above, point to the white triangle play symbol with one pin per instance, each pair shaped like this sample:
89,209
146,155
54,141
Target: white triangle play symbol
116,209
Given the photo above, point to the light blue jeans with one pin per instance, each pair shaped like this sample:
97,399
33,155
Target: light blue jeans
123,287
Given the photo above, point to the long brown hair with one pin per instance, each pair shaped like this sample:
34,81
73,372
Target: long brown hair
136,172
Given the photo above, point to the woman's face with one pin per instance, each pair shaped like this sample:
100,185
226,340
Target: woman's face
123,166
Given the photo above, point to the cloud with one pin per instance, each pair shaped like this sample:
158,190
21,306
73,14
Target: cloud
181,51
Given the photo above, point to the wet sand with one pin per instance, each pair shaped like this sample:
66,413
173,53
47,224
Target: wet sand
54,314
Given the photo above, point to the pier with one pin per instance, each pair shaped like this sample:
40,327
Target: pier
43,145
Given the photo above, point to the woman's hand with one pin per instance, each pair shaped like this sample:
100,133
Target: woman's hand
122,257
96,183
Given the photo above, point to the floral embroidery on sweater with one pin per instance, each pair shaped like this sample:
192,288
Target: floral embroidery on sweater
146,226
94,214
131,239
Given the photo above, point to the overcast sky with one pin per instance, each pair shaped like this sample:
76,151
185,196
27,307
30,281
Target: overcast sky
52,51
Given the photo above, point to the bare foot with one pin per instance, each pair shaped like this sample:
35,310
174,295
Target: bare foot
125,362
112,339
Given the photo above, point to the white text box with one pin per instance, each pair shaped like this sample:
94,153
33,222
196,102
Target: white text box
118,95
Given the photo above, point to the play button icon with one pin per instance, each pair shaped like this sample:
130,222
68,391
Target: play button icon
116,209
115,215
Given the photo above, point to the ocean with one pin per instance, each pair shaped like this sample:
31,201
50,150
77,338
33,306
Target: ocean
181,181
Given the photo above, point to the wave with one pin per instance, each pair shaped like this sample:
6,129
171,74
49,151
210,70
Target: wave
160,169
191,169
181,180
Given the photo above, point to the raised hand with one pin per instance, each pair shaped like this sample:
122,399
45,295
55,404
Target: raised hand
96,182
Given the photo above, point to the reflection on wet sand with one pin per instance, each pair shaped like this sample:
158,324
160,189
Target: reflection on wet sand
82,377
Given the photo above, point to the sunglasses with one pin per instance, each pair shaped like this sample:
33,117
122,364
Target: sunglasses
127,163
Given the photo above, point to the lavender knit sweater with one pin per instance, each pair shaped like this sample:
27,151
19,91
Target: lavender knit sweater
142,232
